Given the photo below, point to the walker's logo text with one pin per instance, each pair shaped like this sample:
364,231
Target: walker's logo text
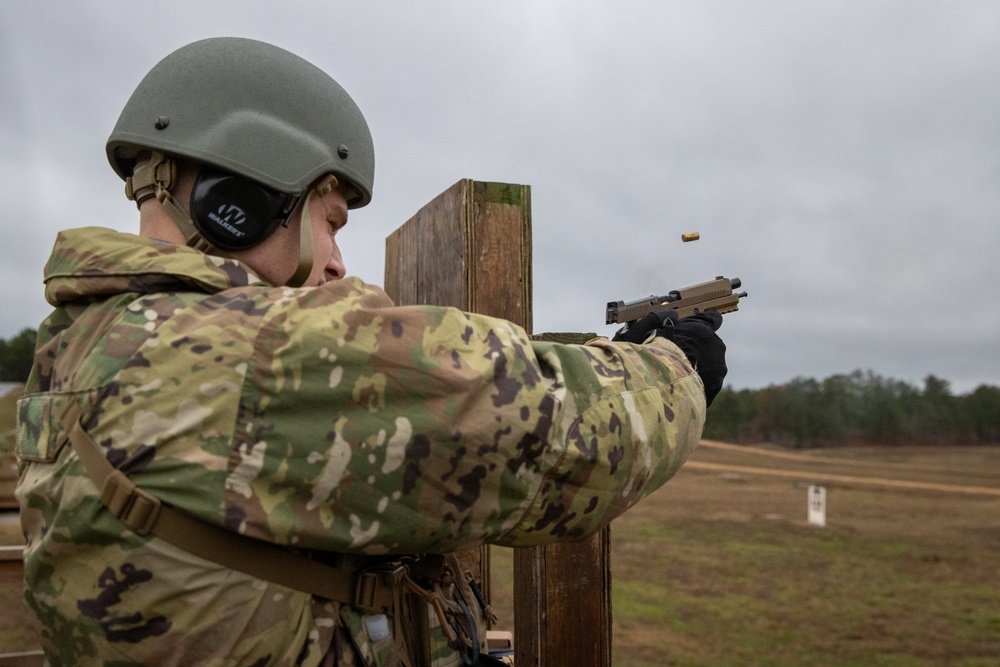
228,217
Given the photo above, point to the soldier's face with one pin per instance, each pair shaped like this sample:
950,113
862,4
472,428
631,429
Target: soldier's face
276,258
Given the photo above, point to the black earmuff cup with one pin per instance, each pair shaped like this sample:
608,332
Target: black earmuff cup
235,213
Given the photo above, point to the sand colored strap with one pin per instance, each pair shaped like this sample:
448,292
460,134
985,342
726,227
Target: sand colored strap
305,264
186,224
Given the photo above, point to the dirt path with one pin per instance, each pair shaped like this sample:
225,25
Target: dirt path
815,475
845,479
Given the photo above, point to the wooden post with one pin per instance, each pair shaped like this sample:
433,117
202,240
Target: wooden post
562,604
471,248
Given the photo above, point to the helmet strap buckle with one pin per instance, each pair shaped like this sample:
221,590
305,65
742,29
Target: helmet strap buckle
326,185
149,177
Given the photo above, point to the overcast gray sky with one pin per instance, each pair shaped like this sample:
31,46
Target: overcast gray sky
842,158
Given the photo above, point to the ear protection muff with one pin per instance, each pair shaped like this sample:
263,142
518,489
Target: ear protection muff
235,213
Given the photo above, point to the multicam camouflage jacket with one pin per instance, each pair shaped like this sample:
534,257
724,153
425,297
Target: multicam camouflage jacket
322,419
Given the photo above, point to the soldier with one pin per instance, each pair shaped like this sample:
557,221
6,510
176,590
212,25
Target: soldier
233,454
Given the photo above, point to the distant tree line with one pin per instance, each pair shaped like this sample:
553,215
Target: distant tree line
16,356
859,408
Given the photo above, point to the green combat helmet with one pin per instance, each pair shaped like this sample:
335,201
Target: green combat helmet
249,109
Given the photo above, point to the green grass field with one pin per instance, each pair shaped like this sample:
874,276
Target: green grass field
723,569
744,594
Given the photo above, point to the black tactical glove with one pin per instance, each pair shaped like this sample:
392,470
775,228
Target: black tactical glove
695,336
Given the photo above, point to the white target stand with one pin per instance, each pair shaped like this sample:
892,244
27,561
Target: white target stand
817,505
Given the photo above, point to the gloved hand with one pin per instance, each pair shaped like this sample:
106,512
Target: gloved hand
695,336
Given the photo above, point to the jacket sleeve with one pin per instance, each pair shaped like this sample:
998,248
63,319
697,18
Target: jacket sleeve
370,428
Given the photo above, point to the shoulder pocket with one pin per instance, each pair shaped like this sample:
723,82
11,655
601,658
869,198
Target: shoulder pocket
40,433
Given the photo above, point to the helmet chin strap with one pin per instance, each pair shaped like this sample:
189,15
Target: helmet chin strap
183,221
305,263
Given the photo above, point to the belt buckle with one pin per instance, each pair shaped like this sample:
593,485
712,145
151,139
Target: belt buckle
370,583
365,589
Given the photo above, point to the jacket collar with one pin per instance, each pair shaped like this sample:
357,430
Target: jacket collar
96,262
